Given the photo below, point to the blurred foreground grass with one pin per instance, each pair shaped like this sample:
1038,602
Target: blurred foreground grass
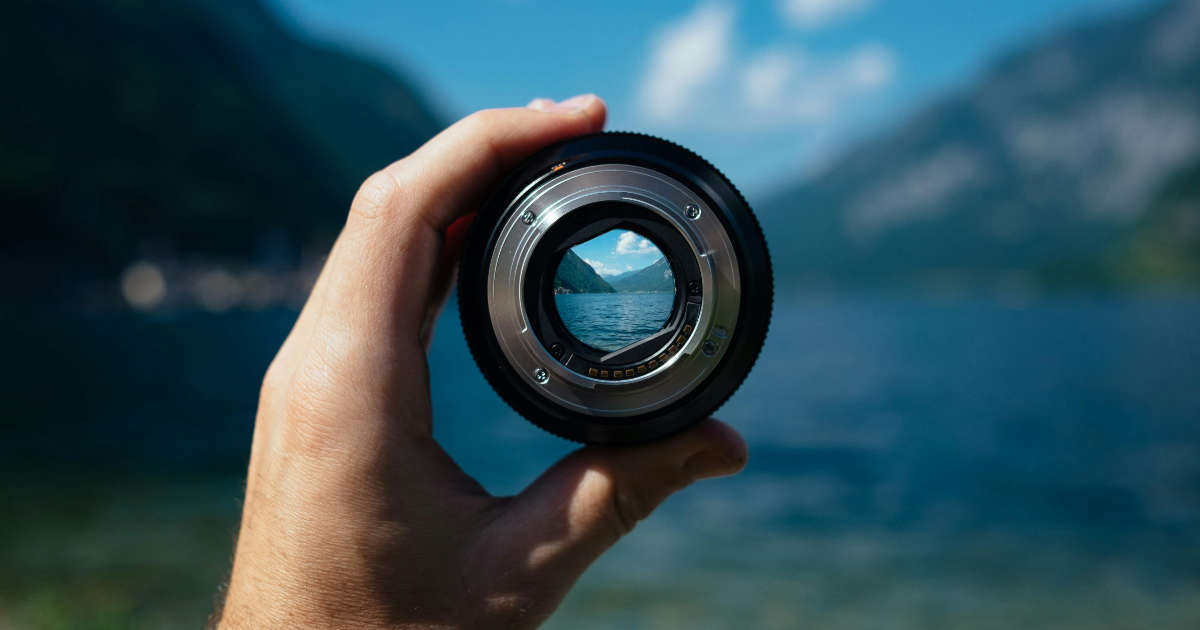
114,553
136,553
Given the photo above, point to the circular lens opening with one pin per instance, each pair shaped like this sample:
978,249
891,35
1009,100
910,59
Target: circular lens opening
614,290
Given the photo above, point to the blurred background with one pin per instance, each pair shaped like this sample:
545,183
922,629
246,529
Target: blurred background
978,405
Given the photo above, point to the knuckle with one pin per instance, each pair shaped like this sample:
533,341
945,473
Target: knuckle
628,506
376,197
273,383
482,119
309,428
615,501
509,610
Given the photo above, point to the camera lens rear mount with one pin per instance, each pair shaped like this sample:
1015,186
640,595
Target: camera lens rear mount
570,193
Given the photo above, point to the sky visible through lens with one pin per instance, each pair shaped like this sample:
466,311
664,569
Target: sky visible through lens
617,252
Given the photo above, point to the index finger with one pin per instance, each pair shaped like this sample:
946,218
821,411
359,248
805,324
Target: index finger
381,270
459,164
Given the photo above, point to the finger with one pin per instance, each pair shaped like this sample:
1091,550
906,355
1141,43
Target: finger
443,280
382,263
586,502
463,162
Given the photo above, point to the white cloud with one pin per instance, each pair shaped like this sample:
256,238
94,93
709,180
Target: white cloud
817,13
765,77
630,243
685,56
697,78
602,268
870,66
783,87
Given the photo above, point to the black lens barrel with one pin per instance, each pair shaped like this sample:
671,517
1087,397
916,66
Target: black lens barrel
754,283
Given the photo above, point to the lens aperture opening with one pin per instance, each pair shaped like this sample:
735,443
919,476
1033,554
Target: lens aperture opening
614,290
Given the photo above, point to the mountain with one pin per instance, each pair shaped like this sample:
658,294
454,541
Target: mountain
183,130
1044,170
576,276
1166,242
657,278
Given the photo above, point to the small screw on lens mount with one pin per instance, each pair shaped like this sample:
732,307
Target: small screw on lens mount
715,256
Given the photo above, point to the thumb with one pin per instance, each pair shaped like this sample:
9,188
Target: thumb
587,501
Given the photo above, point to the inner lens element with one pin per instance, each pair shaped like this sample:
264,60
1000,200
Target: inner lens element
614,290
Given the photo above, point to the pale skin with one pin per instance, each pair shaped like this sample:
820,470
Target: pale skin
354,516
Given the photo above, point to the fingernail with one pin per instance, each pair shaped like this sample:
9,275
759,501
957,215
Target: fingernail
711,463
541,104
575,103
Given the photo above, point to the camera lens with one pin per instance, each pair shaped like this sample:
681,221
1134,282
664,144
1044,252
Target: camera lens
616,288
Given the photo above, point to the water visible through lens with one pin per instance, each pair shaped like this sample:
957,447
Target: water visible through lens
614,290
609,321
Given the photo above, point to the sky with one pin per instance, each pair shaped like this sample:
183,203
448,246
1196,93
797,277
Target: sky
618,251
768,91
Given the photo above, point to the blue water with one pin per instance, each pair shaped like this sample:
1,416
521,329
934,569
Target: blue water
610,321
913,463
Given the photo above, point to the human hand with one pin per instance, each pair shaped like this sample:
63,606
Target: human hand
354,517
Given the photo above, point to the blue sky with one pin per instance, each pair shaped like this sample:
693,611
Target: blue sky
617,252
767,91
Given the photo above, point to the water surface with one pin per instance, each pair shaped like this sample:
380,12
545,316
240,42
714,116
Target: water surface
611,321
913,464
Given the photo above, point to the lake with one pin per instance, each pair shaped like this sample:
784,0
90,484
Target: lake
611,321
914,463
